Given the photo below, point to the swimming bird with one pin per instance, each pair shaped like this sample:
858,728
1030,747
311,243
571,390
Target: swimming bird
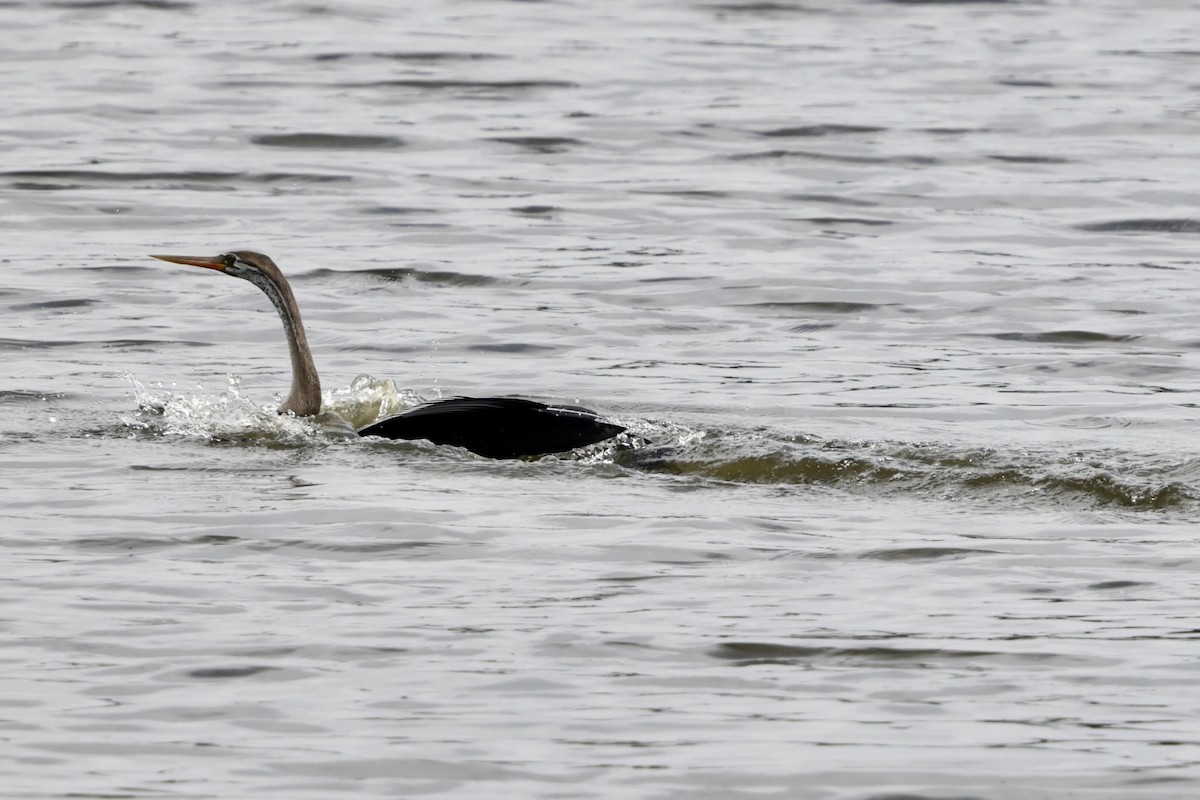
495,427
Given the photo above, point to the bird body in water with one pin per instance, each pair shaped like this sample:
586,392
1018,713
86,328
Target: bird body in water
495,427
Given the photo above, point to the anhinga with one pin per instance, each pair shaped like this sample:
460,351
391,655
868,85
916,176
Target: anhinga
495,427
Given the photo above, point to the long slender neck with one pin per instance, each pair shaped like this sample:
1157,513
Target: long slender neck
304,400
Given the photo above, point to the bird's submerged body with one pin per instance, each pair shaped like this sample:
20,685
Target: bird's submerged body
498,427
494,427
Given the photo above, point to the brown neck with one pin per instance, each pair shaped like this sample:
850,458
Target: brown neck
304,400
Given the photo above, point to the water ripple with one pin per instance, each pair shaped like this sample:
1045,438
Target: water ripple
1145,226
179,179
756,653
327,141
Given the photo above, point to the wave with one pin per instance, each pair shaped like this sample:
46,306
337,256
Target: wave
933,470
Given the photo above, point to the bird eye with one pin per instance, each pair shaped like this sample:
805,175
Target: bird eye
229,259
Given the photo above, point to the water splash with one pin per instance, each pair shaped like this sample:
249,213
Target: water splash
232,417
226,417
368,399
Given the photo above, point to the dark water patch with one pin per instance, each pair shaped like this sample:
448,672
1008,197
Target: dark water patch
421,57
396,210
950,2
660,278
1066,337
536,211
513,347
41,186
156,5
657,252
445,85
704,194
328,141
816,307
1144,226
292,177
755,653
123,544
1030,159
224,673
843,221
50,305
437,56
953,131
185,177
642,578
140,345
922,161
364,548
1026,83
764,8
832,199
922,553
1108,585
207,539
425,226
1153,53
400,274
540,144
800,131
104,176
17,397
395,349
38,344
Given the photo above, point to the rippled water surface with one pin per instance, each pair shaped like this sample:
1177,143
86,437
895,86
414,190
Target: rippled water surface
897,300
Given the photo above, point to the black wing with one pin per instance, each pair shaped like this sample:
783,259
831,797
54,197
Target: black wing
498,427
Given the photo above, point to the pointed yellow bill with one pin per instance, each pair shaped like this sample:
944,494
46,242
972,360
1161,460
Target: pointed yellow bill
216,263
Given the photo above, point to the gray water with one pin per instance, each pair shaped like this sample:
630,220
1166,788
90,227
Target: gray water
897,300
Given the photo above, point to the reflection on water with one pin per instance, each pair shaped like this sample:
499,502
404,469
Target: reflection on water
895,299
